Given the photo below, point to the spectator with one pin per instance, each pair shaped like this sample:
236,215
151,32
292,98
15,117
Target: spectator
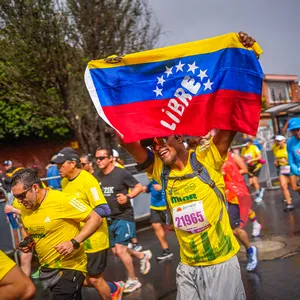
52,171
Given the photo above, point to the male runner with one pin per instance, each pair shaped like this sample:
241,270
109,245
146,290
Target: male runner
52,222
115,183
85,185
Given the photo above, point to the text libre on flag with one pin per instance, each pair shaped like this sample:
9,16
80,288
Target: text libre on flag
183,89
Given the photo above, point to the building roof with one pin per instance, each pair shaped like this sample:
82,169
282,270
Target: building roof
286,107
278,77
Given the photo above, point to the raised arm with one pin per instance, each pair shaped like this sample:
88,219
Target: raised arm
222,140
140,154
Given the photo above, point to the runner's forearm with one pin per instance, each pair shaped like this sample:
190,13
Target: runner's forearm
92,223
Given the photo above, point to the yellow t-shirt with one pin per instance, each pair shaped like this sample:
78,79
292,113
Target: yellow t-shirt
6,264
87,188
280,153
57,220
249,153
214,242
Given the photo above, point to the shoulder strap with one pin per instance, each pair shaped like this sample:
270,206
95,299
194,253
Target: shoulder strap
198,170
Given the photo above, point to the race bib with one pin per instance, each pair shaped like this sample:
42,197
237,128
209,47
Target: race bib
190,217
285,170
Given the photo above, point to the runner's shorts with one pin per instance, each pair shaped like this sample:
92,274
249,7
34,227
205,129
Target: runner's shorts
161,216
234,215
253,172
121,232
96,262
216,282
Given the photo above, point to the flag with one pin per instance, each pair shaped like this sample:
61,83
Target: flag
182,89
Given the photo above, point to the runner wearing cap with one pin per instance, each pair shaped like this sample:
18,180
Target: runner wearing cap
86,187
283,168
252,156
293,149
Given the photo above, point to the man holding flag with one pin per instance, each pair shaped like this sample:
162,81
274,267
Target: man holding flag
191,180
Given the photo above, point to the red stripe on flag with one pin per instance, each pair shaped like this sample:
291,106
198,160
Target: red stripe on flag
224,109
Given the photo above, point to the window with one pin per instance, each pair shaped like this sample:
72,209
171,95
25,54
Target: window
279,92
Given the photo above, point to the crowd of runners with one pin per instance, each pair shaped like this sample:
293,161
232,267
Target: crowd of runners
70,230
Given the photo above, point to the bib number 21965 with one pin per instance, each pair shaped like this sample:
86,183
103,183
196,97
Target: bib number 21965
190,217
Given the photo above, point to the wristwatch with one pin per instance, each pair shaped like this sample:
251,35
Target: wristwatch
76,245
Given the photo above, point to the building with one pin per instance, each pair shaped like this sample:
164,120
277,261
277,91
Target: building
279,89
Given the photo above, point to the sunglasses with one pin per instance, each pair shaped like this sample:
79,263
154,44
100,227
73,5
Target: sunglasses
83,164
101,157
159,141
22,195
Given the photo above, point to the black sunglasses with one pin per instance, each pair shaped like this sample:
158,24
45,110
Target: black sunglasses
83,164
101,157
22,195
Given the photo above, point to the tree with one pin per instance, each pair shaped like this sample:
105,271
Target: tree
45,46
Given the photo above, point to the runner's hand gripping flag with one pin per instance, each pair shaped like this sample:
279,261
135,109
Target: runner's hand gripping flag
182,89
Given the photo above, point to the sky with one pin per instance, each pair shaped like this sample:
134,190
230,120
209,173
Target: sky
275,24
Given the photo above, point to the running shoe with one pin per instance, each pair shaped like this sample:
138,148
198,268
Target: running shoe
137,247
261,192
258,199
289,207
131,285
252,259
36,275
256,229
145,265
117,295
166,254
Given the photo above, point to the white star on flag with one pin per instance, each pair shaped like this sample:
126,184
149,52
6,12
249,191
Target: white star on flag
169,71
158,91
161,80
179,67
192,67
202,74
208,84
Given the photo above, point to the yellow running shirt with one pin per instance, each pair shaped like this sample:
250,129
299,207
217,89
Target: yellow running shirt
204,240
6,264
57,220
249,153
280,153
87,188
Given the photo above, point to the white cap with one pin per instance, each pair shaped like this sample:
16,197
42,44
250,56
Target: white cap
279,138
115,153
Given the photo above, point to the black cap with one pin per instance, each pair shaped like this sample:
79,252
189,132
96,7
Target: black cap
64,155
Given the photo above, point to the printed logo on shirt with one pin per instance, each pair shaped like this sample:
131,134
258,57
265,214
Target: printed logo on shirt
47,220
78,205
108,190
95,193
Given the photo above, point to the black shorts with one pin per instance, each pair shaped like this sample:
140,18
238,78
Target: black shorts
253,173
161,216
96,262
69,286
234,215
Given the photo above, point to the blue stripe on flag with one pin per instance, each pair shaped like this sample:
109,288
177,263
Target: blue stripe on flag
228,69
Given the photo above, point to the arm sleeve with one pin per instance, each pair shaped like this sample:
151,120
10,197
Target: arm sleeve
291,159
102,210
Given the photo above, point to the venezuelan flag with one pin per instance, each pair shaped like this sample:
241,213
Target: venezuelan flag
182,89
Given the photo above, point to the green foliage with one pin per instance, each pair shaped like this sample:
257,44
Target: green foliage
44,48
